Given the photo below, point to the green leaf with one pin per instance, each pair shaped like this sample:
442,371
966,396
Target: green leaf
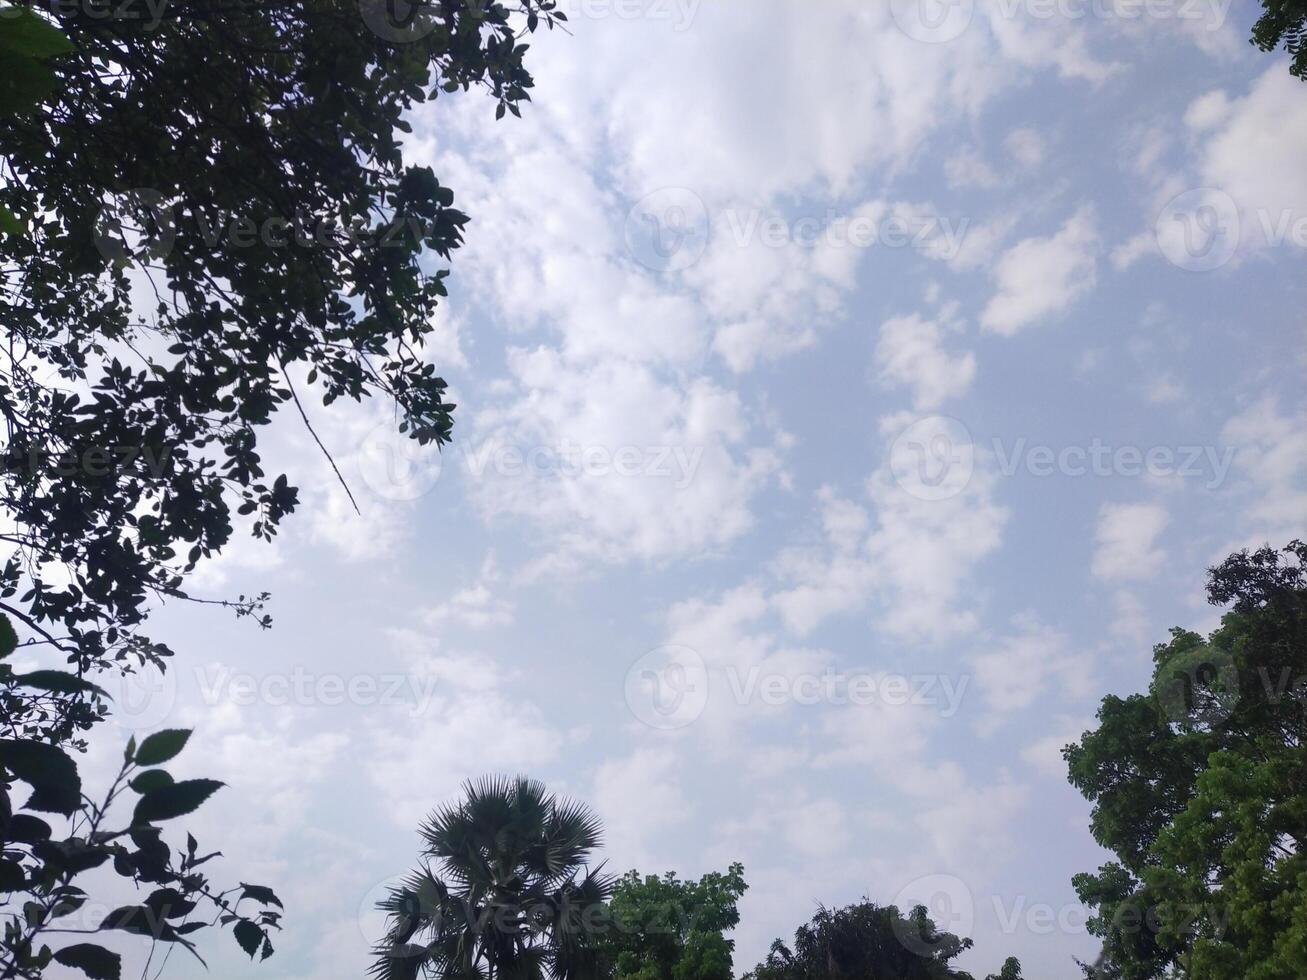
249,936
95,961
8,638
11,224
56,787
150,780
58,682
162,746
173,800
24,33
260,893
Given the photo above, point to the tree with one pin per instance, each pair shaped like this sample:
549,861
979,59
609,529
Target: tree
42,866
510,895
663,928
205,216
865,940
210,216
1199,786
1284,22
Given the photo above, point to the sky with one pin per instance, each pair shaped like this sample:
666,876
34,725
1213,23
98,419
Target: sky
850,395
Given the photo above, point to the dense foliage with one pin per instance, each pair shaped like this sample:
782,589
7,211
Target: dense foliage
214,216
870,940
205,216
663,928
43,865
1284,23
509,895
1199,787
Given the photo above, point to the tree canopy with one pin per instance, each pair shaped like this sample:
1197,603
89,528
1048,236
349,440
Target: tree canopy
212,218
870,940
664,928
1284,22
504,891
206,216
1199,787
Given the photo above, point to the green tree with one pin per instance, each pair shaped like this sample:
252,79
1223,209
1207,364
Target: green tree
865,940
218,222
509,896
1199,786
206,216
663,928
1284,22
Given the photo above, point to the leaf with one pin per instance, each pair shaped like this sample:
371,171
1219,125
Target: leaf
95,961
162,746
173,800
169,903
26,829
149,780
8,638
262,894
140,921
249,936
24,33
56,787
58,682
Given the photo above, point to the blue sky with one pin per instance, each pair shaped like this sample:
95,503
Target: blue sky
846,405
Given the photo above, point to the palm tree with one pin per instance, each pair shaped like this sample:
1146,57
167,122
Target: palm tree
504,891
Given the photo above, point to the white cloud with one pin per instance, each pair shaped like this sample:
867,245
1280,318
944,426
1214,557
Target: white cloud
1015,672
1039,278
1271,458
1126,541
614,463
1027,147
476,607
910,352
464,724
1253,149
